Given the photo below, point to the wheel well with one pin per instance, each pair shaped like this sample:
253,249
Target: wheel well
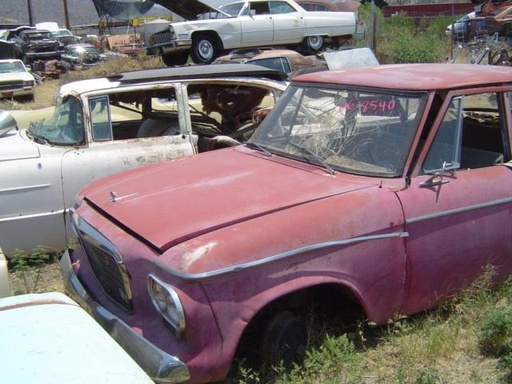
210,33
329,304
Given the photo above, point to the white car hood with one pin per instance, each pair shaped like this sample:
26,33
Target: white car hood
25,76
15,145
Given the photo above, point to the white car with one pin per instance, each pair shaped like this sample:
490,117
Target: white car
102,126
243,24
16,81
47,338
458,28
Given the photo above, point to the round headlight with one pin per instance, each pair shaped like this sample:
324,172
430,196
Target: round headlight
166,301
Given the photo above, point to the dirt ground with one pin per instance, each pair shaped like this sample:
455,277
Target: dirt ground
45,278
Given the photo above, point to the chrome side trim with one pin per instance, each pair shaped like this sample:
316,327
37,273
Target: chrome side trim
280,256
25,188
22,217
449,212
159,365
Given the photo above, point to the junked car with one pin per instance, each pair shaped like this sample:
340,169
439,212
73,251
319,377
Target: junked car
42,336
207,31
16,81
35,44
81,56
387,187
284,60
106,125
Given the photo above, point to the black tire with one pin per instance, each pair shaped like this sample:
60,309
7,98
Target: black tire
176,58
314,43
284,341
204,49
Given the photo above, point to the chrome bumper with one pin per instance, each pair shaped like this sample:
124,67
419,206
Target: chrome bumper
160,366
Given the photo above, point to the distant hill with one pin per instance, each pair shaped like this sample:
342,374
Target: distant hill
16,12
80,11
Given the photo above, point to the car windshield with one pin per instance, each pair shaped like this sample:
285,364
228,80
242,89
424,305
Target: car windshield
65,127
12,67
362,132
39,35
61,32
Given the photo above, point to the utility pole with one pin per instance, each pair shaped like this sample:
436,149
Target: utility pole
30,18
66,15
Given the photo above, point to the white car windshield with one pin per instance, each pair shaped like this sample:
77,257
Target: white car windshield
342,129
65,127
12,67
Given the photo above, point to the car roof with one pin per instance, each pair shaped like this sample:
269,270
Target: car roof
194,71
11,61
414,77
173,73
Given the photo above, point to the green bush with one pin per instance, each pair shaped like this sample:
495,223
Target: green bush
495,338
419,48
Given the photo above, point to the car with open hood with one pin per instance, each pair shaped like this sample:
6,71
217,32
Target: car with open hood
376,191
106,125
208,31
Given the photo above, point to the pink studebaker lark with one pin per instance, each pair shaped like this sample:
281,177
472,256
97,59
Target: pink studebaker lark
389,187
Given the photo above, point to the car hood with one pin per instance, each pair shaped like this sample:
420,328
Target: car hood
188,9
16,146
8,77
168,203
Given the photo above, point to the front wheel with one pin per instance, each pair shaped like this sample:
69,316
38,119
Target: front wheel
204,49
284,341
314,43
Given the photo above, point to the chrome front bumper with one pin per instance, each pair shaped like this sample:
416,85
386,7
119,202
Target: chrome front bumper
159,365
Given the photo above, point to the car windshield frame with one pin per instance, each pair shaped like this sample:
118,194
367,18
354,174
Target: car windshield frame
64,128
366,132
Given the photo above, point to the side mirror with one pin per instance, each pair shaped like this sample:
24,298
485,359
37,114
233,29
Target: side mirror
7,122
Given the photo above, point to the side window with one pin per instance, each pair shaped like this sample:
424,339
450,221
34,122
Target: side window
444,154
260,8
277,63
471,135
233,111
280,8
100,119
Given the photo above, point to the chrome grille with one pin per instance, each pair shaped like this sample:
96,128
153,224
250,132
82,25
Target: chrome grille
11,85
106,263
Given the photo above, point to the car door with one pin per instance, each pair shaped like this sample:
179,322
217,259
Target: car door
458,208
257,26
288,23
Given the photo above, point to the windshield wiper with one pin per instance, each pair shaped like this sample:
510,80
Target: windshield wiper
315,155
34,136
265,151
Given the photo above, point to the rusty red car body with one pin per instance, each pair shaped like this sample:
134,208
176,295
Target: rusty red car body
389,186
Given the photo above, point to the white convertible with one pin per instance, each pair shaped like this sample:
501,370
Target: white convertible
208,31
